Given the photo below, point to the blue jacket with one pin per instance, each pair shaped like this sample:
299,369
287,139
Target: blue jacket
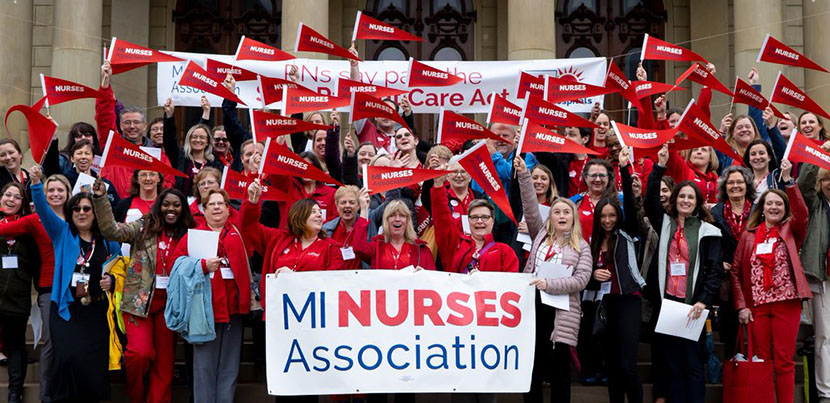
67,249
189,309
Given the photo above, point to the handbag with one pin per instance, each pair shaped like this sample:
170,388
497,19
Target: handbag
748,381
600,319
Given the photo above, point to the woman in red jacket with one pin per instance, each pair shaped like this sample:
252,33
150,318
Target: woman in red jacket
699,166
468,253
216,363
768,281
398,247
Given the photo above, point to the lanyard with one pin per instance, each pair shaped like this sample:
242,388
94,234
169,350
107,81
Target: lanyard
396,256
164,245
679,239
221,243
298,246
552,251
83,259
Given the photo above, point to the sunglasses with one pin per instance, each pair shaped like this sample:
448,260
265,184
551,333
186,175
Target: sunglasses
85,209
402,135
83,134
220,139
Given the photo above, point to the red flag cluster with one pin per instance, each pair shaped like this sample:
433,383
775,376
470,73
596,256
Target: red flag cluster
121,152
265,124
298,100
279,160
236,184
478,163
700,75
545,113
366,106
535,138
455,129
196,77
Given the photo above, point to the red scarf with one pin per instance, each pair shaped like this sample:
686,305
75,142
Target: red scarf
762,234
737,224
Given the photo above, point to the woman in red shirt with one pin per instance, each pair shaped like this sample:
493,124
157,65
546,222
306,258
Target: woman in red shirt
768,281
700,166
216,363
342,228
305,188
145,187
397,247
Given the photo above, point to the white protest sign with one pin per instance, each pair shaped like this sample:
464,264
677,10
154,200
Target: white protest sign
379,331
481,79
202,244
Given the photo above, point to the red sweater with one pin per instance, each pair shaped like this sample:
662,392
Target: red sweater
456,249
346,238
229,296
31,225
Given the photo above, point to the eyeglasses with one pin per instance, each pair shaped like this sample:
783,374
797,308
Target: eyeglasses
204,184
146,175
597,175
402,135
85,209
482,218
132,122
220,139
156,129
218,203
459,173
12,196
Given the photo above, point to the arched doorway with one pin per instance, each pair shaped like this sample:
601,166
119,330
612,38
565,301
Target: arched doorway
590,28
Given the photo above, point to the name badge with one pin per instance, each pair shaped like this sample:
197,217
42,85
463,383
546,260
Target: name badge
605,287
10,262
79,278
764,248
227,273
348,253
162,282
678,269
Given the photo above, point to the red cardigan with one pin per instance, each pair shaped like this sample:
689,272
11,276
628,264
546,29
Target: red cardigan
31,225
223,292
793,233
456,249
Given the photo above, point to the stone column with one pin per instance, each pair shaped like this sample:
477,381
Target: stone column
754,19
16,67
314,13
76,55
530,30
131,22
708,18
816,31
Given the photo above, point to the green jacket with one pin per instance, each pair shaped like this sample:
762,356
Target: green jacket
16,284
139,285
814,250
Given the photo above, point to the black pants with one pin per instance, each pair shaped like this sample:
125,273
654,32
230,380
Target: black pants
589,347
684,361
621,340
549,361
728,328
14,346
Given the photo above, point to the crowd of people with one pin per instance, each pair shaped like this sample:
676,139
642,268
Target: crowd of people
691,226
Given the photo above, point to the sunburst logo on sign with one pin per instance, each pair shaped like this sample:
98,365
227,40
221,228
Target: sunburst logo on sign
569,73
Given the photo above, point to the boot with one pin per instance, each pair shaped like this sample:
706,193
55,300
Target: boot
15,396
17,374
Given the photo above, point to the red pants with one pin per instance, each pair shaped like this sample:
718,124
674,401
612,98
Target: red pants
774,331
150,352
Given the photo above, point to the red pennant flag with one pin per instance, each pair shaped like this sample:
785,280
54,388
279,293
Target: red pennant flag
121,152
422,75
644,89
774,51
504,111
299,100
266,124
802,149
615,78
271,88
545,113
196,77
345,87
561,90
366,27
125,56
478,163
58,90
785,92
41,129
365,106
309,40
236,184
656,49
381,179
219,71
642,138
530,85
701,76
745,94
455,129
250,49
535,138
279,160
698,128
39,104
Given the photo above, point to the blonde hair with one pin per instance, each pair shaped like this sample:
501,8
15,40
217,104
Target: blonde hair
440,151
379,156
397,206
348,190
576,230
822,173
714,163
188,152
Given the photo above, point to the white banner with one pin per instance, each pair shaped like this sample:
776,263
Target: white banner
481,79
383,331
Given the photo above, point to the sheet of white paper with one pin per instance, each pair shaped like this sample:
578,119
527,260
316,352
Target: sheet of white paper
85,180
154,152
465,223
674,320
133,214
202,244
553,271
36,320
544,211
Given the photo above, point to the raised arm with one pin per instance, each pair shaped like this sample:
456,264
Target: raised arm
111,229
105,106
651,203
53,224
171,142
448,238
530,204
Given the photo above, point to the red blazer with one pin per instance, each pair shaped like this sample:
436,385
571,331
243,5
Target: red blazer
228,298
31,225
271,242
456,249
793,233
